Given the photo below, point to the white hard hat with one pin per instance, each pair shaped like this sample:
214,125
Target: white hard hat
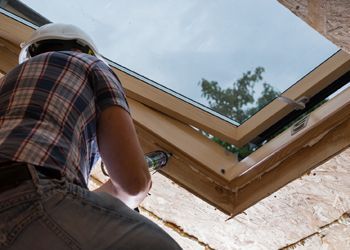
57,31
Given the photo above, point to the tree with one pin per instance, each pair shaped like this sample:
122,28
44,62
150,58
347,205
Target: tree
238,102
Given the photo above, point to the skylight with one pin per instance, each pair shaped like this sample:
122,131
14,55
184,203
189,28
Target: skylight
179,43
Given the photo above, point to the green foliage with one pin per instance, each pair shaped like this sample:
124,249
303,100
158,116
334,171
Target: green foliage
238,102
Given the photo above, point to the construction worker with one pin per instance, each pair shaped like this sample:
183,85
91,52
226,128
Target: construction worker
53,107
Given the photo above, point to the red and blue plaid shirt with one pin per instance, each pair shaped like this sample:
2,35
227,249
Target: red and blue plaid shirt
49,107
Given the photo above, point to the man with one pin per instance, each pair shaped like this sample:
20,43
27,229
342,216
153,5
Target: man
53,107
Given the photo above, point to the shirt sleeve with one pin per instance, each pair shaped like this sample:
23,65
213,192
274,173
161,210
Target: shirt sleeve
107,88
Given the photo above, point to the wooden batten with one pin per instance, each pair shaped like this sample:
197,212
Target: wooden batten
8,54
14,31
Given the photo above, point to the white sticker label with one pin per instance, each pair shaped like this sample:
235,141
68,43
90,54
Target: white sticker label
299,125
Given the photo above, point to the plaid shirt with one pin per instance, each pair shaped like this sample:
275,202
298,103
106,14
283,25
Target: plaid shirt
49,108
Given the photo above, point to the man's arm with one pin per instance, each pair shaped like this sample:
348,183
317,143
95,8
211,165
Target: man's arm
123,157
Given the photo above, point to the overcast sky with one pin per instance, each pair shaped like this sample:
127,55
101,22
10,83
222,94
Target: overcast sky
178,42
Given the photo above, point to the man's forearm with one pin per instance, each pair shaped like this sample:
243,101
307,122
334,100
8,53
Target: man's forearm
131,201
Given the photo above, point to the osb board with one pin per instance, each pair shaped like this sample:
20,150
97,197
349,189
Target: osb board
295,212
333,236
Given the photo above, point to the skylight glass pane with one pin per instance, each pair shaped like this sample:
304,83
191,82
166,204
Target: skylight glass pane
180,43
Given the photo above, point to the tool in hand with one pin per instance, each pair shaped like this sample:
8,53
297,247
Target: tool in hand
155,160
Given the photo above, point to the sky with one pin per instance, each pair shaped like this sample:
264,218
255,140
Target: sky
179,42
